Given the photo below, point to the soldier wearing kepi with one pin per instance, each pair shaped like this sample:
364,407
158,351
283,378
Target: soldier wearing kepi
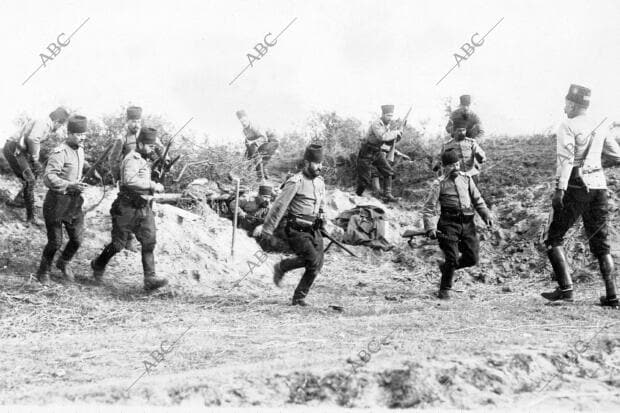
132,211
301,204
63,202
581,190
22,153
370,154
473,125
458,197
470,153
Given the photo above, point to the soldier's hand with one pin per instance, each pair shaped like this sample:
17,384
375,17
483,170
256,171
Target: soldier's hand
158,187
37,168
489,221
76,187
558,199
431,233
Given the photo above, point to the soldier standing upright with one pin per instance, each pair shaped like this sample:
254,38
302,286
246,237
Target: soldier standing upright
370,154
132,211
22,153
301,204
63,202
473,125
458,198
469,151
581,190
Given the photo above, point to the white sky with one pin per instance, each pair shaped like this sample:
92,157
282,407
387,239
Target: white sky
176,58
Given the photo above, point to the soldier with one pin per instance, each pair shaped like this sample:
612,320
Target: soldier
370,154
252,210
124,144
22,153
470,153
581,190
457,195
132,211
63,202
473,125
301,201
255,141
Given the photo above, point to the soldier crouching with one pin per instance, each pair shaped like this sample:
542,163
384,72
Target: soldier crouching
457,195
132,211
63,202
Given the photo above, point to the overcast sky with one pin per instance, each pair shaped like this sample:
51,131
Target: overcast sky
177,58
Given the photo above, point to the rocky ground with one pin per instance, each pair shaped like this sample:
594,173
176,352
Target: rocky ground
375,336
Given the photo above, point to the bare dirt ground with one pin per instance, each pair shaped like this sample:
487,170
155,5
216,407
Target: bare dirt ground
223,335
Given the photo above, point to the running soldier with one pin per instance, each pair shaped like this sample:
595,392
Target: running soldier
22,152
458,197
301,204
132,211
63,202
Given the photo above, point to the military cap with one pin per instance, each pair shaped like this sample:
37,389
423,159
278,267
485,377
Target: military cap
449,157
241,113
77,124
385,109
314,153
148,136
459,122
579,94
265,190
465,100
134,113
60,114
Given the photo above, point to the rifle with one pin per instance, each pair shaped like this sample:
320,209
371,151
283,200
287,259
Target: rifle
160,167
410,233
333,241
390,156
93,168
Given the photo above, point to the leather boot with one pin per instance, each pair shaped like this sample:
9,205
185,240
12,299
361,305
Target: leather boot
445,286
560,268
153,282
65,267
278,274
376,186
97,272
606,264
388,190
43,273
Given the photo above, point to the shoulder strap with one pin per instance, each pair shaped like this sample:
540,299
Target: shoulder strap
593,135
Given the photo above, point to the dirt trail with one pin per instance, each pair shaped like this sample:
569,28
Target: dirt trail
496,345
